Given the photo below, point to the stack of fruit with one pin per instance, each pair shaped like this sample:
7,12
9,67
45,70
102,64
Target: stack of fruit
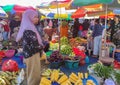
47,73
54,46
74,42
55,57
64,41
8,78
55,77
73,79
78,80
66,49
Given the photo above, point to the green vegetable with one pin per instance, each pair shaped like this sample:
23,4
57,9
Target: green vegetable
64,41
103,71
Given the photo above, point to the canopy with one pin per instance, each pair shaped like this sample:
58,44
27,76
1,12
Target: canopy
89,2
51,15
98,13
3,13
79,13
7,8
62,16
116,11
115,4
15,8
96,7
65,4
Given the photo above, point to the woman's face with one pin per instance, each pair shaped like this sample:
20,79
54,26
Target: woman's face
35,20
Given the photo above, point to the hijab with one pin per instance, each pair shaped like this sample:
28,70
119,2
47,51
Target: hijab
27,24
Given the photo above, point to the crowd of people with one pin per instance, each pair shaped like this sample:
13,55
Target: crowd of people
29,30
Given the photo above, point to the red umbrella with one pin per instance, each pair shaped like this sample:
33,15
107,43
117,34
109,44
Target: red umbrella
79,13
18,8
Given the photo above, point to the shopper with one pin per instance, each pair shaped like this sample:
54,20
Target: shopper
76,28
97,36
32,45
15,22
6,28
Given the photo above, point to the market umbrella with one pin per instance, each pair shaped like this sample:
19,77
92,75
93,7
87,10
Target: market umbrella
60,4
61,16
16,8
98,13
116,11
90,2
3,13
115,4
93,8
51,15
79,13
7,8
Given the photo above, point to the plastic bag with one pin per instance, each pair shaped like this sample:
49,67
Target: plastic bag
10,65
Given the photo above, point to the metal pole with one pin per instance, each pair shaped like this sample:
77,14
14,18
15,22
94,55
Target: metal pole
106,21
58,29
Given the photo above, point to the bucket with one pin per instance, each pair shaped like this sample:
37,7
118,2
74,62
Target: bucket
72,64
56,65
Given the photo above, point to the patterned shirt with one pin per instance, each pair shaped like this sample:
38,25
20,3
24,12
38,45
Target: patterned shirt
30,43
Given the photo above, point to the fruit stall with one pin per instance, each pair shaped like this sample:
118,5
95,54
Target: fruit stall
11,66
69,65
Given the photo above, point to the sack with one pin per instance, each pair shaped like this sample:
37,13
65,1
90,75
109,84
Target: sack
10,65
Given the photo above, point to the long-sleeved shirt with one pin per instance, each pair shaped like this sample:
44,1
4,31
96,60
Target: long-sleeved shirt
98,29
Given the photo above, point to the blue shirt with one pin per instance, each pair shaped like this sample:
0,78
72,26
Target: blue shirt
97,31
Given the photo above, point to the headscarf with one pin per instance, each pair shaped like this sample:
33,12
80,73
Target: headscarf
27,24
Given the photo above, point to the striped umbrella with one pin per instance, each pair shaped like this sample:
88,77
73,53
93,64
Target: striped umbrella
3,13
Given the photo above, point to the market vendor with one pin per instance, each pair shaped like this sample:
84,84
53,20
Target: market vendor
32,45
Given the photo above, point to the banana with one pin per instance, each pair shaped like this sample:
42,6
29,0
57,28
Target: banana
79,82
7,82
74,76
62,79
56,75
86,75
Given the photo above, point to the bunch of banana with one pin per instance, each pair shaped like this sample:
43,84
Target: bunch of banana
73,78
79,82
2,81
47,73
67,82
54,75
82,76
90,82
62,79
9,77
45,81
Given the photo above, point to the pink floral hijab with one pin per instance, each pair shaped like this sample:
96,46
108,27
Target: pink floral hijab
27,24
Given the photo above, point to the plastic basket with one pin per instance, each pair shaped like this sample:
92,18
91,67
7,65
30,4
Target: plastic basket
70,64
9,53
48,53
55,65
